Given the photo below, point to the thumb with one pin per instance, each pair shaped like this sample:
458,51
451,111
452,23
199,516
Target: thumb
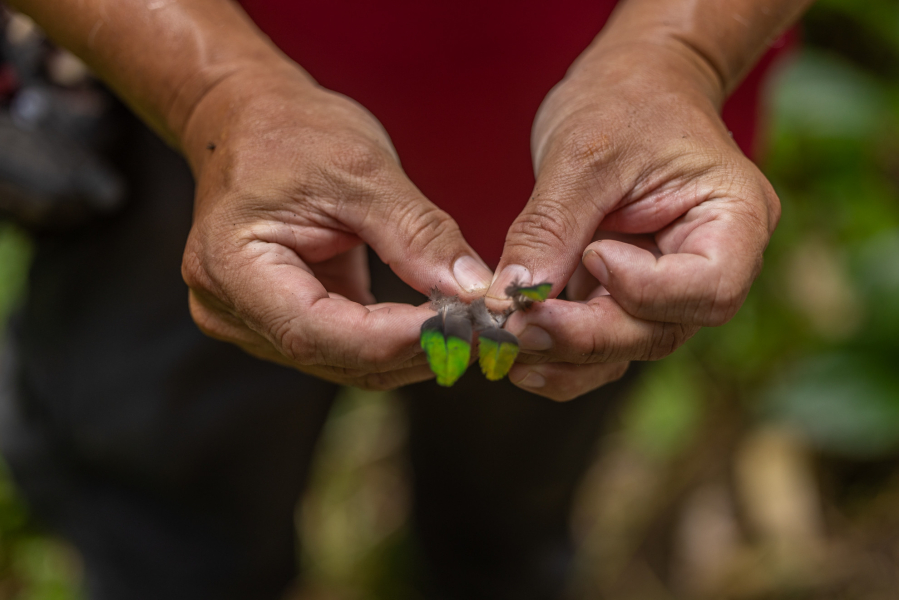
421,243
546,240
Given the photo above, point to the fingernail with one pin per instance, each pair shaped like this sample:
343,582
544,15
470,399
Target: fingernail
471,275
535,338
512,273
532,380
596,265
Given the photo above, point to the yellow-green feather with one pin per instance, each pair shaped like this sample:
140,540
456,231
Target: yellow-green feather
448,359
538,293
458,353
435,348
496,358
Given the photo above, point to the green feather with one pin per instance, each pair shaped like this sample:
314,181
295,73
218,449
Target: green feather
538,293
435,347
458,356
498,350
448,355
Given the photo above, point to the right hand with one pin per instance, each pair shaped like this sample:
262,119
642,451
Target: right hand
292,181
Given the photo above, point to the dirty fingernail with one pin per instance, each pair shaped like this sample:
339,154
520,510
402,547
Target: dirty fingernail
510,274
471,274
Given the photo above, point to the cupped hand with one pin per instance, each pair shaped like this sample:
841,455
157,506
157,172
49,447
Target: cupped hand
292,180
644,207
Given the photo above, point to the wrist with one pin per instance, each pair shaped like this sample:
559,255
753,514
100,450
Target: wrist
660,62
220,107
717,40
630,87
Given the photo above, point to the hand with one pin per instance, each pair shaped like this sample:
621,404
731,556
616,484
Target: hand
639,181
291,181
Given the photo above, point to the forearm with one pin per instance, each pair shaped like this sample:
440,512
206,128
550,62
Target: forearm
723,38
160,56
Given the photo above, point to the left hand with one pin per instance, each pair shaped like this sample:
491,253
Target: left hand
644,206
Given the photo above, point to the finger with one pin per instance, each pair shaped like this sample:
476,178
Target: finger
597,331
577,185
214,321
581,284
420,242
230,329
218,323
347,274
563,382
385,381
276,295
710,258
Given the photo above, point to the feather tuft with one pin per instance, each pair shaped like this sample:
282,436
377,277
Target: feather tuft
449,306
483,318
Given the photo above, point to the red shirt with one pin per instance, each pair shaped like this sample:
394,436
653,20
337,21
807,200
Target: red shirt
456,85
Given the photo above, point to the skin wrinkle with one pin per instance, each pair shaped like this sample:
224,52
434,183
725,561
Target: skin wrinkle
432,226
660,175
551,217
307,242
594,343
353,164
631,217
381,204
725,302
717,70
673,239
291,335
180,128
599,352
172,24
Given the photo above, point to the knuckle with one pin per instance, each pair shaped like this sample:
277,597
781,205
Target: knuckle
425,227
355,158
547,224
596,346
666,338
729,296
204,318
295,345
192,271
592,350
585,147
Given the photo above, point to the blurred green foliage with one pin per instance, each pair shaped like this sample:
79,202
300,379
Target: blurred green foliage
816,343
15,253
33,566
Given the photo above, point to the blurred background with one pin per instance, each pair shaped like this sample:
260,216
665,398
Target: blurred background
760,461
